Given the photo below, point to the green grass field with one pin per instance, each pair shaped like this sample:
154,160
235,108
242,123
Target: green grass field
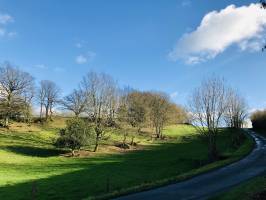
31,166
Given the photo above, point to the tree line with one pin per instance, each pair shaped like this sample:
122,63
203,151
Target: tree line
101,102
97,99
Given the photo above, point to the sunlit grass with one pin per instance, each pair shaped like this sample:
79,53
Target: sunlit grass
27,156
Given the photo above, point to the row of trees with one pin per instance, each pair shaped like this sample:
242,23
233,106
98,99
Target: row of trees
103,103
152,109
213,105
97,98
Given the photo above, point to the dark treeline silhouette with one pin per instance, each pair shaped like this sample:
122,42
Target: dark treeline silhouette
258,119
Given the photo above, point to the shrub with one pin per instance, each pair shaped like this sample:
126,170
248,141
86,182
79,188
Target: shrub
76,135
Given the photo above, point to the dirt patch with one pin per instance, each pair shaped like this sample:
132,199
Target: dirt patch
104,149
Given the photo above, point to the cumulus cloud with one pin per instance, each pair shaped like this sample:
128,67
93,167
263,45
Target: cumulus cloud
84,58
241,26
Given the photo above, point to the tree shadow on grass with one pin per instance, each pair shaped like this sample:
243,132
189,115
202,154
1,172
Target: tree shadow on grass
13,138
99,175
88,177
35,151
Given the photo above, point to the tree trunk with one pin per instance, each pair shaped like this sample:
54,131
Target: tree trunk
160,133
51,113
7,121
46,112
96,145
41,111
8,112
213,153
73,152
124,140
132,140
157,132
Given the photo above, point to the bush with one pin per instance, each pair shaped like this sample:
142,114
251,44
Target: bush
258,119
76,134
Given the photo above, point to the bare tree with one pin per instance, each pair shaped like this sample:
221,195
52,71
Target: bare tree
75,102
136,110
159,112
237,109
15,89
28,97
112,101
207,106
41,94
48,95
98,87
91,85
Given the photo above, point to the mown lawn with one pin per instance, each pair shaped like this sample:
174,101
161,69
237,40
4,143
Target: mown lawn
31,166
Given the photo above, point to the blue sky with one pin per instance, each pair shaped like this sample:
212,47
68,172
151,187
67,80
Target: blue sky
140,43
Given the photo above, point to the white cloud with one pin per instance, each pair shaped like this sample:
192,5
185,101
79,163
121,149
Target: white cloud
84,58
242,26
5,19
186,3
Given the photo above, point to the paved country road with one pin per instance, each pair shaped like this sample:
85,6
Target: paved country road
209,184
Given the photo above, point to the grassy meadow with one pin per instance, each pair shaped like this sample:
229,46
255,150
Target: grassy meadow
31,167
